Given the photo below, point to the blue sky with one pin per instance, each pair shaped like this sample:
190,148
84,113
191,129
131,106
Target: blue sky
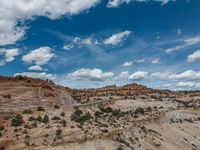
93,43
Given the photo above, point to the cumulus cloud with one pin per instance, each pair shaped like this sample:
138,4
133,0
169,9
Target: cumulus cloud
194,56
15,12
42,75
117,3
138,75
85,41
8,55
186,75
39,56
122,75
117,38
35,68
186,43
185,84
128,64
90,74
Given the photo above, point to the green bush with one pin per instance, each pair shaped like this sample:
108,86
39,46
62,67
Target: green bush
8,96
39,118
45,119
27,111
55,118
2,127
139,110
56,107
62,114
31,118
64,123
40,108
17,121
78,116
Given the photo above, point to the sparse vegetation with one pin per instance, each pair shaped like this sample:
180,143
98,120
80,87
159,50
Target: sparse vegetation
56,106
55,118
45,119
78,116
17,121
27,111
62,114
7,96
2,127
40,108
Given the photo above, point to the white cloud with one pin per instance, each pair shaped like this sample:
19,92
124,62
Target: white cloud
39,56
185,84
148,59
20,10
42,75
90,74
68,47
122,75
138,75
117,38
89,41
141,60
117,3
186,75
155,61
9,55
194,56
128,64
167,85
186,43
35,68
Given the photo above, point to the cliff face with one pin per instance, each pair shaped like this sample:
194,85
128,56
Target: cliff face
17,93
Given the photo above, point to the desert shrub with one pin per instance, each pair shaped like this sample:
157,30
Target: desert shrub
8,96
2,127
31,118
78,116
45,119
116,112
46,135
64,123
120,148
20,77
55,118
106,110
149,109
58,132
86,116
62,114
97,114
139,110
17,121
27,111
124,142
56,107
39,118
40,108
